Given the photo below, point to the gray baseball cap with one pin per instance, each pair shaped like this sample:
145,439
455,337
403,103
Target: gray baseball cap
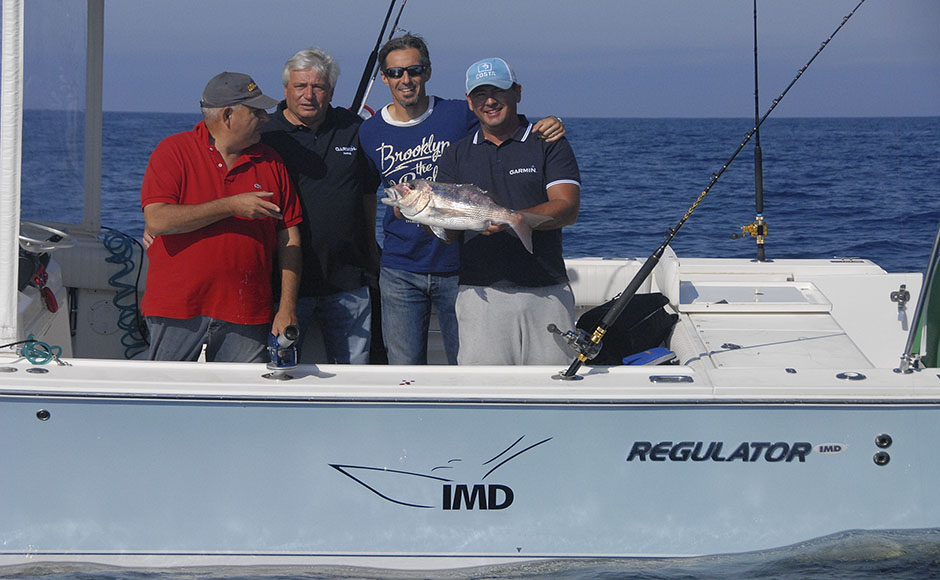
228,88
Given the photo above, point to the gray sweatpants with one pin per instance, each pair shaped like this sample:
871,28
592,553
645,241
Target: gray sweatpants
508,325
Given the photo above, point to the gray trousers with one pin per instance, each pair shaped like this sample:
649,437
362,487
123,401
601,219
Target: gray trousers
182,339
508,325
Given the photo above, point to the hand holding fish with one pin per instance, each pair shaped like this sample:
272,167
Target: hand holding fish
493,229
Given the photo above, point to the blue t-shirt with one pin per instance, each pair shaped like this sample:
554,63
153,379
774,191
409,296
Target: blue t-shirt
411,150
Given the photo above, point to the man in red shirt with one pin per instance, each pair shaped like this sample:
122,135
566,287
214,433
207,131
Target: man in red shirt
220,208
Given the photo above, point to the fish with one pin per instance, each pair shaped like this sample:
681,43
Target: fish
453,206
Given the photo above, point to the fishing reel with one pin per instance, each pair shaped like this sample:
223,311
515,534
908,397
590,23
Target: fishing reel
755,229
579,340
282,350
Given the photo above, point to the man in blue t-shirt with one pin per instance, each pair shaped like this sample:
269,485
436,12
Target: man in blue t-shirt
508,296
405,140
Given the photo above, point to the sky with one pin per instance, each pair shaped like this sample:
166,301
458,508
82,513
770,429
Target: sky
583,58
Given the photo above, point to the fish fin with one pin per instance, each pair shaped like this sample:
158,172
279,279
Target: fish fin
524,232
523,227
440,233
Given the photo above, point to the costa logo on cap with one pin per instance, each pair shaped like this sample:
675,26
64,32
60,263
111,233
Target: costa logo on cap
490,71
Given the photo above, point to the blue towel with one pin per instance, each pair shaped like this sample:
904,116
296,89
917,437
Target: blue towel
653,356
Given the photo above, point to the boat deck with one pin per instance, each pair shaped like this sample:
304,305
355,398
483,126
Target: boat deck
809,328
221,382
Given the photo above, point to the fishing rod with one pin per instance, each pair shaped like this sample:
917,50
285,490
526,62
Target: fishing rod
760,226
375,72
362,93
757,228
370,64
588,346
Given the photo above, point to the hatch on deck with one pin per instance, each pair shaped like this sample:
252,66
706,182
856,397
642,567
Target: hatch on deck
770,323
776,296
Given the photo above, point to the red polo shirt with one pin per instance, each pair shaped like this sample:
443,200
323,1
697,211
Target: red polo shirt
223,270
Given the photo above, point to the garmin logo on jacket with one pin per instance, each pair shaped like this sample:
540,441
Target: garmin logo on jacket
531,169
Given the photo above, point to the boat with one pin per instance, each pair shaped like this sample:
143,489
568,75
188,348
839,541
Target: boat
789,414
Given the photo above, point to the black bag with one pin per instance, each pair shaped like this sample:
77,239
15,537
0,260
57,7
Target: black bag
643,324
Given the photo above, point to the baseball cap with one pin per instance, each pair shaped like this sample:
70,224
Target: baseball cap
490,71
228,88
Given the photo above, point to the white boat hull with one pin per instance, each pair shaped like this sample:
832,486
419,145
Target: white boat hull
364,467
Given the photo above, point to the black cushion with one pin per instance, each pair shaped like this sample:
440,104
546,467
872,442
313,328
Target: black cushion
643,324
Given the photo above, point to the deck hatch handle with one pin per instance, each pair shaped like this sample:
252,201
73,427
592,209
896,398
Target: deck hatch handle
671,379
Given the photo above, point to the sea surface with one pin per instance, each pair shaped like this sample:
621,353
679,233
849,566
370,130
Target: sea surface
839,187
846,187
852,555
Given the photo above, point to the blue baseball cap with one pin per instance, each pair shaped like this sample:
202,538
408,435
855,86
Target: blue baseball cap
490,71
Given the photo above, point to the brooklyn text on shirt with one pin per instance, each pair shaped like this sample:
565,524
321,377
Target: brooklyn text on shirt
428,150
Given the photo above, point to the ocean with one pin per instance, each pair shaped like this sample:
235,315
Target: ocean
833,187
852,555
846,187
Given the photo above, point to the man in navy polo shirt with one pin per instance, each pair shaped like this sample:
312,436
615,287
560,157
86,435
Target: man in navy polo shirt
337,186
507,296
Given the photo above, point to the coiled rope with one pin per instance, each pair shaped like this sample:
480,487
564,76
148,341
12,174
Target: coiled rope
121,247
36,351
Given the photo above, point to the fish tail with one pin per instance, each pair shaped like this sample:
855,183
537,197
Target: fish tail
523,226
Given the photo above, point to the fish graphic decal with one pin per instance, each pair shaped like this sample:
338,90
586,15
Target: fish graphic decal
423,490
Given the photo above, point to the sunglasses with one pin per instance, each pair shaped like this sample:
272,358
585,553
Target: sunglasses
396,72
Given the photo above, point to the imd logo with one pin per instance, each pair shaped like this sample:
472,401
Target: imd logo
452,486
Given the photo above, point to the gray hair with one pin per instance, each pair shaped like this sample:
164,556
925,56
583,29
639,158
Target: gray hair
210,114
312,58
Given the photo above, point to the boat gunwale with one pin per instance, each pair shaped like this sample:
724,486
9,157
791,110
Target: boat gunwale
633,401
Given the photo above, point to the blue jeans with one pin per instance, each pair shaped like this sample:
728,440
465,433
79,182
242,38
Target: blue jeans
344,318
407,298
182,339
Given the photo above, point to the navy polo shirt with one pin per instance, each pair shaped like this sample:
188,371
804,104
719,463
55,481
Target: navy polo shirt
331,175
516,174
